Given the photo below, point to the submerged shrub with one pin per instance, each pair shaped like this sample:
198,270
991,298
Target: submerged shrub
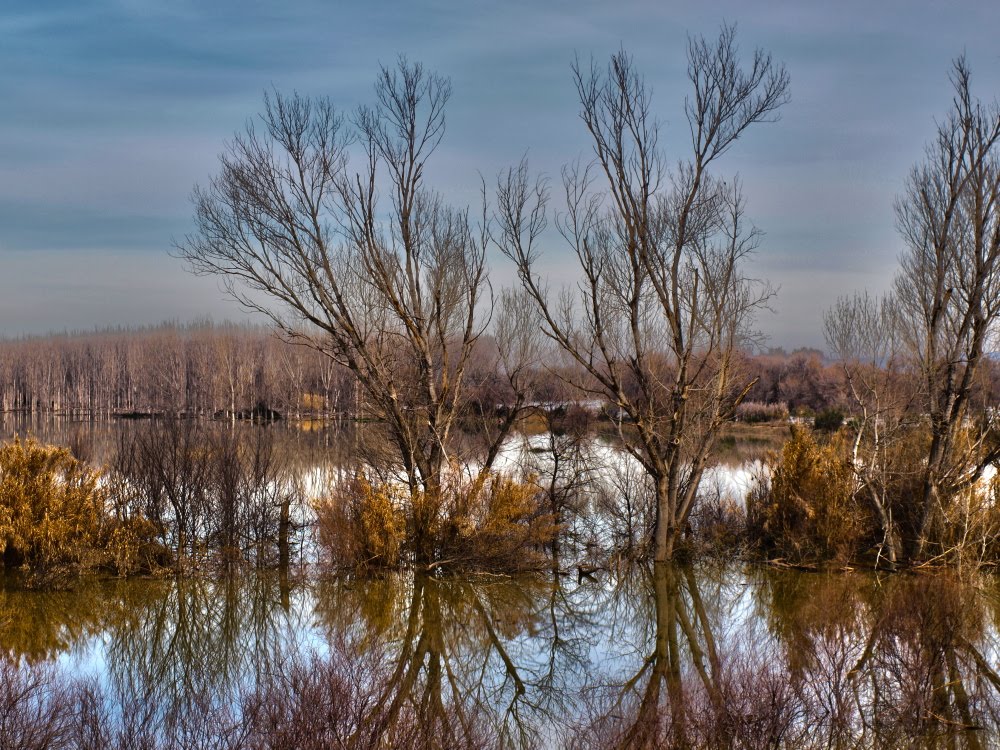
501,526
50,506
809,509
361,525
717,525
498,523
213,493
54,516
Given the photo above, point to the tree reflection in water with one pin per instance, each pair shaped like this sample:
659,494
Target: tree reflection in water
470,659
726,656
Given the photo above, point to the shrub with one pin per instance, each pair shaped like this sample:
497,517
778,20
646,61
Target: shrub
211,492
717,525
809,509
497,524
54,519
50,506
753,412
361,525
500,526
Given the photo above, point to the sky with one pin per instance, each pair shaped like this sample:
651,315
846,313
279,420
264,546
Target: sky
111,111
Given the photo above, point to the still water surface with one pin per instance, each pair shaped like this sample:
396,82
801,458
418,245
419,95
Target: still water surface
550,660
717,654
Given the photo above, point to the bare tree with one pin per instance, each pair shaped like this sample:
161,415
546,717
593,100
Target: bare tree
862,332
664,302
367,265
948,290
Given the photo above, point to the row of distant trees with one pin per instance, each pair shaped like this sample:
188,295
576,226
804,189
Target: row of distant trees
200,368
207,368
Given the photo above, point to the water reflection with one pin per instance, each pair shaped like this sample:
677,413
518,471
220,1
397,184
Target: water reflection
665,656
882,661
464,654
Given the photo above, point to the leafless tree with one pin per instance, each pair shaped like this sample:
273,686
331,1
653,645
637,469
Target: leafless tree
862,332
664,302
948,290
365,264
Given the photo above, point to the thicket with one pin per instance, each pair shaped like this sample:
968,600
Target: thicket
808,507
823,497
56,518
501,523
176,494
754,412
212,492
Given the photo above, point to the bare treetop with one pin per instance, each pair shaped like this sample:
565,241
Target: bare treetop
663,304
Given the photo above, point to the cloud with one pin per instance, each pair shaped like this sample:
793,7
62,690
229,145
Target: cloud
118,107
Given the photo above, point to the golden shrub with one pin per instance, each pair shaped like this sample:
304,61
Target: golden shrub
51,507
499,525
361,524
810,509
130,545
496,524
54,518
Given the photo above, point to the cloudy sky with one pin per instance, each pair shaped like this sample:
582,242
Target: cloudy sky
112,110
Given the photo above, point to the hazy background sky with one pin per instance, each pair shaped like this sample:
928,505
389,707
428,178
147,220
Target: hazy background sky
111,111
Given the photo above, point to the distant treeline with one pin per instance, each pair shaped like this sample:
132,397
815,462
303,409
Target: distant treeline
200,368
209,368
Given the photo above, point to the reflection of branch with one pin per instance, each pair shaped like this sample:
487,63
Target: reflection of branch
457,695
866,654
630,684
509,666
405,673
983,665
697,655
706,630
508,663
958,690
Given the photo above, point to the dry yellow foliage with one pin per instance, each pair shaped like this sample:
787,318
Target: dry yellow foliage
51,506
810,509
54,518
361,525
494,524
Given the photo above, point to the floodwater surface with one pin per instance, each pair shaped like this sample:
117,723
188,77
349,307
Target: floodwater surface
631,658
712,655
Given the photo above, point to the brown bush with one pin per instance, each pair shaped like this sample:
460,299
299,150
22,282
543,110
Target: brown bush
755,412
361,525
499,524
54,517
809,509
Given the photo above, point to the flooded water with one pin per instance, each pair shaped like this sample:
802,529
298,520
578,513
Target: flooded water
713,655
628,659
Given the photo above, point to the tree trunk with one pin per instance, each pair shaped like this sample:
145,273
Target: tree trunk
664,527
284,527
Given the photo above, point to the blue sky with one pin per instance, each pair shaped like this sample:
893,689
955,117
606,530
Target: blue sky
112,110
